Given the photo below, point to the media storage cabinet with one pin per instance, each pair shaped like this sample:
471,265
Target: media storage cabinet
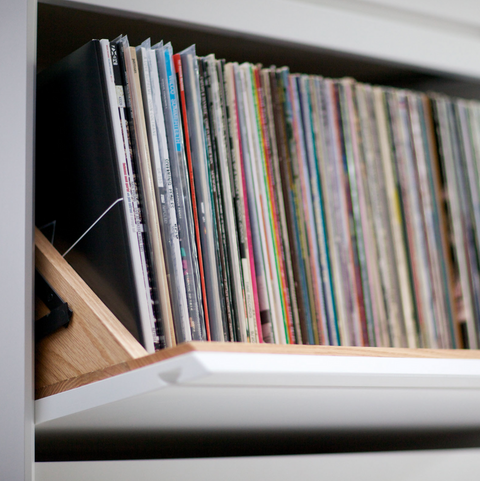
228,400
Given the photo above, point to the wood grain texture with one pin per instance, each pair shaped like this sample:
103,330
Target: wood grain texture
159,356
95,339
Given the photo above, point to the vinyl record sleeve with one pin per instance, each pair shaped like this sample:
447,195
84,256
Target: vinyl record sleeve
166,206
184,116
264,301
405,185
218,230
384,296
241,208
395,222
216,90
262,199
268,78
181,186
272,204
77,180
197,134
314,150
304,145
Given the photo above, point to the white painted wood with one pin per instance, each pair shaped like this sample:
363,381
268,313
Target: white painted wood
401,35
462,12
400,466
231,391
17,70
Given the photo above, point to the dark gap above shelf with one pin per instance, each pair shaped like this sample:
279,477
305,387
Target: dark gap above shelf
62,30
178,444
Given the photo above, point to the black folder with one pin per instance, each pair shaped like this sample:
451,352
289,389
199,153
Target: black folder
77,180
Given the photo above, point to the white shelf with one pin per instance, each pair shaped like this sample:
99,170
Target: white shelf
417,34
241,391
17,74
228,391
400,466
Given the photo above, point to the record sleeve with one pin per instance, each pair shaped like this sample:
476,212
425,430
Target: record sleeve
244,244
400,338
83,199
177,62
264,299
283,114
277,92
264,182
217,207
361,227
277,195
203,194
311,114
224,182
147,194
181,188
385,297
411,219
306,216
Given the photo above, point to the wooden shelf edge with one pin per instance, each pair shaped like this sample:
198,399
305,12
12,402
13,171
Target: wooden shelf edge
94,340
185,348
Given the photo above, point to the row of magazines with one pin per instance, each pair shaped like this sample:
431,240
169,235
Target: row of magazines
205,200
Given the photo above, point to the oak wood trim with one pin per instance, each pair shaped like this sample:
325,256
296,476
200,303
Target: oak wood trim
185,348
95,338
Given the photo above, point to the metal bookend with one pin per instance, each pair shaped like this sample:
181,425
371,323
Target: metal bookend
59,315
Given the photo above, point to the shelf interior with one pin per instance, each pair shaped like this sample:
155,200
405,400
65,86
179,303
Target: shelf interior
61,30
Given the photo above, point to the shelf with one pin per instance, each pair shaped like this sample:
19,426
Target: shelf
229,388
200,388
422,36
401,466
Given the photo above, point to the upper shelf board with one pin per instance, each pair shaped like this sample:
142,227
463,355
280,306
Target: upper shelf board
415,34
